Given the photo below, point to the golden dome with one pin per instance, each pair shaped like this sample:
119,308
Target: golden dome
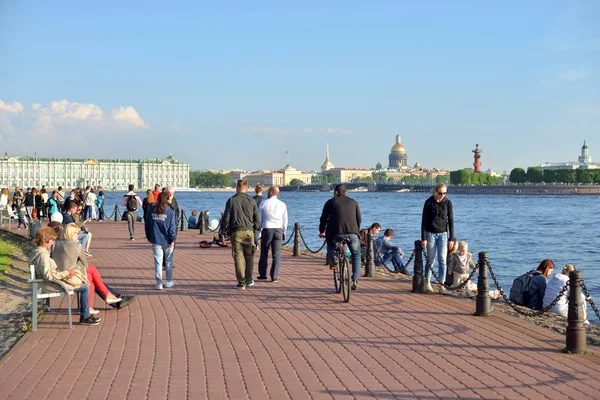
398,148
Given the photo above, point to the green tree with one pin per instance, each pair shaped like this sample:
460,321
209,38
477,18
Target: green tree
442,179
382,177
535,175
585,175
209,179
461,177
565,175
518,175
296,182
549,175
316,179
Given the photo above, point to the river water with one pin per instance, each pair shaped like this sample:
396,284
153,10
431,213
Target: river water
517,232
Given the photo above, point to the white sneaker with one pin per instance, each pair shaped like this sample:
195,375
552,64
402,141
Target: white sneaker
443,290
251,283
158,287
169,284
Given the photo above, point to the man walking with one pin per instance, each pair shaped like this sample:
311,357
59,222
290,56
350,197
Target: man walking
340,220
274,221
29,203
131,201
241,219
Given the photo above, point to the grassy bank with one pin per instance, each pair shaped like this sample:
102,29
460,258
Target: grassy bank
6,249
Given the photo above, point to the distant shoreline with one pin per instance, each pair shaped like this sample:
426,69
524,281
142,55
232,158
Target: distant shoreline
528,189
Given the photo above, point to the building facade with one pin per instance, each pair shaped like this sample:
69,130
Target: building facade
110,174
584,161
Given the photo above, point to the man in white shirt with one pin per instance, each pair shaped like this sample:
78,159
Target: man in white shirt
274,221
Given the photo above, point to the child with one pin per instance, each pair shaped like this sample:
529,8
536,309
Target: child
459,264
21,215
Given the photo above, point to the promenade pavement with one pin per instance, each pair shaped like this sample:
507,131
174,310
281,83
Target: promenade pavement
291,339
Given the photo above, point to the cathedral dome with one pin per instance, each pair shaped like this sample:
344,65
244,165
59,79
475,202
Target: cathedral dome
398,148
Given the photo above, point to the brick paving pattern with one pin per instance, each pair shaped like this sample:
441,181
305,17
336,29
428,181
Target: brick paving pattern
290,339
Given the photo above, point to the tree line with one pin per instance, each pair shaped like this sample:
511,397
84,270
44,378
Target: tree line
207,179
468,177
537,175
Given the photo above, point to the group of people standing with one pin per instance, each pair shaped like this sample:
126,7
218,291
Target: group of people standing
244,220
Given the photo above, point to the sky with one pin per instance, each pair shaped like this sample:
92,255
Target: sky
236,84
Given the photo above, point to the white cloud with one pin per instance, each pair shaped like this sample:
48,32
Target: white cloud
130,115
574,75
308,130
12,108
50,126
570,76
265,130
589,111
338,131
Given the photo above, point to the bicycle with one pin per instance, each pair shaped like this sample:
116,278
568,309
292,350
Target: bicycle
341,272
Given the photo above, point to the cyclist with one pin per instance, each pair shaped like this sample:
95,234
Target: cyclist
341,219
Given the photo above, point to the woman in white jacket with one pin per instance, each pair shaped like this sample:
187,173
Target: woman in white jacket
553,288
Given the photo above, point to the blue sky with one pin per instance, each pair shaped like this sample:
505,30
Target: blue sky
236,84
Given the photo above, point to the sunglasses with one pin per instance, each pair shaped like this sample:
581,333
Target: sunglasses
442,193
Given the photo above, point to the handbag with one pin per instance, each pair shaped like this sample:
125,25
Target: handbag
76,280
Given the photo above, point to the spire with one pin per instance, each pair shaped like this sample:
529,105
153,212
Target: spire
398,139
327,153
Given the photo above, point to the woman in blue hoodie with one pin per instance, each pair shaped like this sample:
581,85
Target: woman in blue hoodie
161,232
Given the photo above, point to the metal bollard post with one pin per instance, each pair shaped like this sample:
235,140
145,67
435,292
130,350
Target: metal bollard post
201,223
576,335
483,302
116,212
297,251
418,281
183,222
370,265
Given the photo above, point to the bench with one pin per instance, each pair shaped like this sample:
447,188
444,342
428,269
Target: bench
36,294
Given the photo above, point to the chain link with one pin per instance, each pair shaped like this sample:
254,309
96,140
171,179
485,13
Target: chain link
307,248
588,298
290,238
518,308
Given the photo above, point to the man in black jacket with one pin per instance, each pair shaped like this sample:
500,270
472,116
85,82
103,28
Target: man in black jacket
341,219
241,220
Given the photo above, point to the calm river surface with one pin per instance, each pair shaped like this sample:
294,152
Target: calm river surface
516,231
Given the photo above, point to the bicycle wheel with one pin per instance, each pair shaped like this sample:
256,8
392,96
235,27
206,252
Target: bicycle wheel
345,278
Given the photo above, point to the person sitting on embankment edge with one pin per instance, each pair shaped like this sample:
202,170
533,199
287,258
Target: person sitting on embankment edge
193,222
459,264
388,254
362,235
553,288
528,289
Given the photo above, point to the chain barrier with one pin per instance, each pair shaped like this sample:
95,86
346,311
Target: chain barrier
442,283
518,308
588,298
308,248
216,229
106,216
290,238
379,257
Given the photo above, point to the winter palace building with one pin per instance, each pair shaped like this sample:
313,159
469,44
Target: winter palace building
110,174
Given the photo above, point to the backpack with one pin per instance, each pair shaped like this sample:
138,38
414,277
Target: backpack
520,290
132,204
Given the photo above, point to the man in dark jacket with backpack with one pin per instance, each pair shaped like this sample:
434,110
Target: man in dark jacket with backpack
131,202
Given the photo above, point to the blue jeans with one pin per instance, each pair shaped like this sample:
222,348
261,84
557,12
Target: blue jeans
83,239
392,258
436,243
84,307
160,251
354,250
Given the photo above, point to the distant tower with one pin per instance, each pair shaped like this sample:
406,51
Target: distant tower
585,158
327,165
398,158
477,159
